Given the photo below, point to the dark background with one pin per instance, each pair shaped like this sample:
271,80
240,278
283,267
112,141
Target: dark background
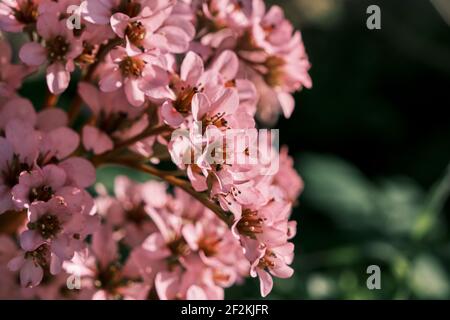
372,142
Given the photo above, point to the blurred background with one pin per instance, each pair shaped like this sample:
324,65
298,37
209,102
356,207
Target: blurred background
372,142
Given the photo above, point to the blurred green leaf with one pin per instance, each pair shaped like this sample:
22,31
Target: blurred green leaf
107,174
428,278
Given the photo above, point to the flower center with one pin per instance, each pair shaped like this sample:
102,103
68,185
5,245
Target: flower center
220,277
131,67
179,248
110,123
136,33
57,49
13,170
42,193
109,278
184,99
275,75
250,224
130,8
27,12
217,120
137,214
88,54
48,226
209,245
40,256
266,261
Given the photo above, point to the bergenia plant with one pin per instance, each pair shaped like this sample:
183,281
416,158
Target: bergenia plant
176,89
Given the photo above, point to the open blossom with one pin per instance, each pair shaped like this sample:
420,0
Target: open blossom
273,261
15,15
59,51
127,210
153,28
38,185
102,274
133,71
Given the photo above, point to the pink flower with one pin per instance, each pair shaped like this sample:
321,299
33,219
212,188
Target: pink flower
268,224
11,75
271,54
192,80
113,118
154,28
134,71
31,265
273,261
194,283
17,14
38,185
226,65
9,289
48,223
100,12
128,210
17,109
100,270
60,50
18,151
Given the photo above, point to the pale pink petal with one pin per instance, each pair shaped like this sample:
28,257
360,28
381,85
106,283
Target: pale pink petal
64,141
191,68
90,96
103,246
198,181
111,82
200,106
227,64
287,103
48,26
55,264
80,171
134,94
166,284
265,282
58,78
282,271
33,54
119,23
177,39
95,140
55,176
190,235
50,119
98,12
30,240
31,274
170,115
20,109
196,293
227,103
16,263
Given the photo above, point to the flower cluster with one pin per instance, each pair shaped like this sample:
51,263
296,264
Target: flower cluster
176,84
40,177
